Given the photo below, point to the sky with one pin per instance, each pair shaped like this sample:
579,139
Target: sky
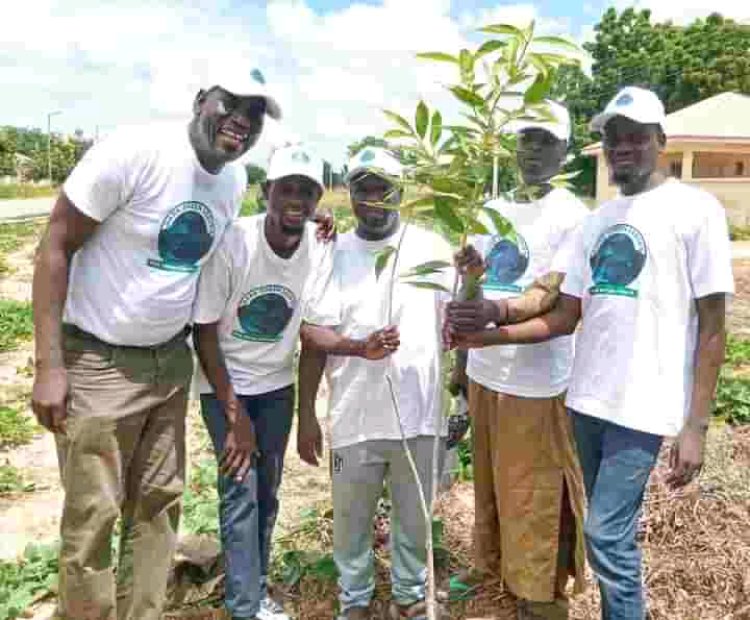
333,65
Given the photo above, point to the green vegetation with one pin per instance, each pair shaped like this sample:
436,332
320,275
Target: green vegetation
16,428
24,582
739,233
200,508
732,402
25,190
16,323
12,481
14,235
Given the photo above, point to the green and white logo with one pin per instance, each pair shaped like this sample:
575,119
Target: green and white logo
617,260
507,261
264,312
367,155
301,157
186,236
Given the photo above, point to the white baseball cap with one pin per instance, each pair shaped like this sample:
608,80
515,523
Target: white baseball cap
252,84
637,104
559,127
294,160
377,161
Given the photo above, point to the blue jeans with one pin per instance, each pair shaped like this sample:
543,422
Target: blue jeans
616,463
248,509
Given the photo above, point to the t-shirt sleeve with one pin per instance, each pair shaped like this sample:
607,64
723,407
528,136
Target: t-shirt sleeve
709,252
214,286
573,263
323,306
102,181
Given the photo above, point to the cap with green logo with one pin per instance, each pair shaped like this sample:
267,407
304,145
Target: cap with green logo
295,160
377,161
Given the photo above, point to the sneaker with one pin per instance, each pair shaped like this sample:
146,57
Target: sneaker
271,610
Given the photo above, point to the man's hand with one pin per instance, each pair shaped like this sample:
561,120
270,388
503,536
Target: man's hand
240,447
382,343
49,398
686,456
469,262
326,225
309,439
473,316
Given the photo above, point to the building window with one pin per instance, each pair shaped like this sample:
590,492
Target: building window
712,165
675,169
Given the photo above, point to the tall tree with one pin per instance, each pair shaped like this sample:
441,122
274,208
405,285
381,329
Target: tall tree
682,65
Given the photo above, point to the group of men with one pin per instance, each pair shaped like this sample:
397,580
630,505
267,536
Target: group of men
144,247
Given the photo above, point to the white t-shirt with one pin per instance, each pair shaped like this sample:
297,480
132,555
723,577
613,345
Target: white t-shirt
134,281
259,300
639,264
543,237
356,302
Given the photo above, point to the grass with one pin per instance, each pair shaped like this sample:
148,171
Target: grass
12,481
16,428
24,190
16,323
25,581
13,235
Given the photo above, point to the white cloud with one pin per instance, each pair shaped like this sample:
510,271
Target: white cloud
106,64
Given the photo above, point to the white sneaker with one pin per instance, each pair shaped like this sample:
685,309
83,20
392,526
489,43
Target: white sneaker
271,610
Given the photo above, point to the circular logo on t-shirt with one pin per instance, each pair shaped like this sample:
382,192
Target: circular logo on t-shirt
507,261
186,236
264,313
617,260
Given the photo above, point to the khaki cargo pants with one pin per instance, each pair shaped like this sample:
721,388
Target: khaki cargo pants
528,498
123,456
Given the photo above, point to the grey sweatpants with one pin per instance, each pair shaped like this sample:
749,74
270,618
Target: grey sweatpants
359,471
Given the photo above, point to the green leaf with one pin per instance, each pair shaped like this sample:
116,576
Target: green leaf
466,62
502,225
421,118
537,91
417,204
436,127
475,227
381,259
433,266
502,29
446,214
467,96
397,133
558,42
488,47
438,56
399,120
433,286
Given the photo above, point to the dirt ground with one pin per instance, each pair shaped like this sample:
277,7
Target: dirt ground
672,543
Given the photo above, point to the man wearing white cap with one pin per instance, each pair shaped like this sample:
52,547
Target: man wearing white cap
252,298
648,276
348,333
528,487
114,285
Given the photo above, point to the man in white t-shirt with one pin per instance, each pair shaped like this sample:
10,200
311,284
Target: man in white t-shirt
252,297
345,333
114,285
648,276
528,486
